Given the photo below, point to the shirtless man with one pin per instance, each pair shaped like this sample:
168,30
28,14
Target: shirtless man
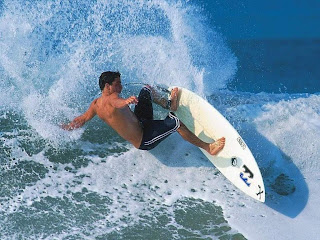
138,127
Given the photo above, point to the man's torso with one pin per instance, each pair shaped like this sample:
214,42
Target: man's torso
122,120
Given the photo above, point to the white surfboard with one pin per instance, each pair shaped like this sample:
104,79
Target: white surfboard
235,161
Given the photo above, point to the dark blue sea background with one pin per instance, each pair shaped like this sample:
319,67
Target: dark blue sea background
276,43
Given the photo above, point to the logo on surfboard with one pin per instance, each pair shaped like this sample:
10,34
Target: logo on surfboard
260,192
241,142
248,174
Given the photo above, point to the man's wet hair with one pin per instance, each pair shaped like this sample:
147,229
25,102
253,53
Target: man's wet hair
107,77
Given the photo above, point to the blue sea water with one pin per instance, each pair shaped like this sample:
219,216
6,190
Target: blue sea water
255,62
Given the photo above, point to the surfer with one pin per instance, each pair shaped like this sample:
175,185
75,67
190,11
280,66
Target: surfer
139,127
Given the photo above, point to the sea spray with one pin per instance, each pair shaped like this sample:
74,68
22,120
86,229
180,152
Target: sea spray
90,182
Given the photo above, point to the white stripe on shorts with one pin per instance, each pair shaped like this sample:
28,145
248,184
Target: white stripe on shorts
166,133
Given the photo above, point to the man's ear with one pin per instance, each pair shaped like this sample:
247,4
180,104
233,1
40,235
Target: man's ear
107,86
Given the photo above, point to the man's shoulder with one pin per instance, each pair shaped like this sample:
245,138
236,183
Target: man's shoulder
94,104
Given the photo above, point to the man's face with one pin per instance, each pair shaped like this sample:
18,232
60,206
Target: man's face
116,86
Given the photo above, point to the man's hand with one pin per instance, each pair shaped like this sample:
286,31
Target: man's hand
76,123
132,100
81,120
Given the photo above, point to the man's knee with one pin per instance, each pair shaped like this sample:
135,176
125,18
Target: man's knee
182,127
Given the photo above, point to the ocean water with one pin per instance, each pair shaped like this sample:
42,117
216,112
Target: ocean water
91,184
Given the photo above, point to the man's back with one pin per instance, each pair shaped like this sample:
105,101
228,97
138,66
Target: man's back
122,120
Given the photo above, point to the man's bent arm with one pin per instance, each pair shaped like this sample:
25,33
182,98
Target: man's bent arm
118,102
81,120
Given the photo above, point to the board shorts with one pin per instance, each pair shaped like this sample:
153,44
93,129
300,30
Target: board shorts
154,131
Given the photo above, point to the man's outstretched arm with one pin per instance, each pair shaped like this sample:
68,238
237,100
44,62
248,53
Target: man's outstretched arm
81,120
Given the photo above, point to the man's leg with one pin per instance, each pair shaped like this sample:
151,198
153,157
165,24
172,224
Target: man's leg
163,102
212,148
144,110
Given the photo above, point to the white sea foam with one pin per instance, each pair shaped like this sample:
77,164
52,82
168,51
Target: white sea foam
284,141
294,127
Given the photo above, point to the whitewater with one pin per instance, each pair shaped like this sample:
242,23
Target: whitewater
90,183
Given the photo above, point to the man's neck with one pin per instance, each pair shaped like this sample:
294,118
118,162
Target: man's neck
105,93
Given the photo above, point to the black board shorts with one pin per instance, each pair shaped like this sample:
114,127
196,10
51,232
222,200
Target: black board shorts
154,131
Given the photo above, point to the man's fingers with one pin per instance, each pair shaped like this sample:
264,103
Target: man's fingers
132,100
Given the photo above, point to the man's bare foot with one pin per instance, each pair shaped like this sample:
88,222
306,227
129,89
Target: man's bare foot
174,99
217,146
